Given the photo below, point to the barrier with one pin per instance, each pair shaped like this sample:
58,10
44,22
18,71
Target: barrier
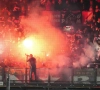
67,75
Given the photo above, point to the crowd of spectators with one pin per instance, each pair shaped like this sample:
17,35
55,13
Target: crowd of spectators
87,32
88,5
92,26
12,11
11,31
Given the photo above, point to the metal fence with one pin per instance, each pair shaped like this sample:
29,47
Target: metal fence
67,75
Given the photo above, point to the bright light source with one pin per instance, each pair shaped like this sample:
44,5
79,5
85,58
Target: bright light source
47,54
28,43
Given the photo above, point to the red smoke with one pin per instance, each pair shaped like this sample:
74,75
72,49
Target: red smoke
48,41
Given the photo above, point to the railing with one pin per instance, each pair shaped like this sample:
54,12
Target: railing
66,75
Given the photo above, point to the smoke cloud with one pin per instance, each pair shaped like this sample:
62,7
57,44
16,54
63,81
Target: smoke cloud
51,40
50,45
87,57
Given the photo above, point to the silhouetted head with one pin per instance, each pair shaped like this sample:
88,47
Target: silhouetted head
31,55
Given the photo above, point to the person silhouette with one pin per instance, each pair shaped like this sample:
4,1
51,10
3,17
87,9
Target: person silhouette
32,62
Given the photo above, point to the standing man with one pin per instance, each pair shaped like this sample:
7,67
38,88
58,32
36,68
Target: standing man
32,61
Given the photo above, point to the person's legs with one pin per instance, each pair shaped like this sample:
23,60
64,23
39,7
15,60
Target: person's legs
34,71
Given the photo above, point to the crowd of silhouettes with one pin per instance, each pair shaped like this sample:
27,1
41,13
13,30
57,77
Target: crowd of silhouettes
12,11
